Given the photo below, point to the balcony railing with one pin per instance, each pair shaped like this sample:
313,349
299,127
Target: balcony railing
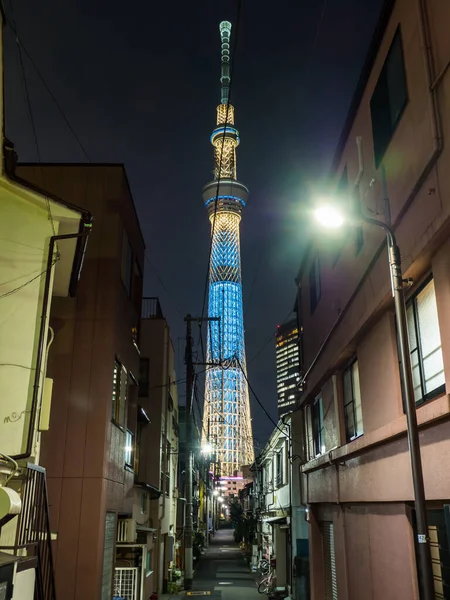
33,536
151,308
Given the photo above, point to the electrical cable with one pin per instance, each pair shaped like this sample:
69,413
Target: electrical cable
30,112
162,284
21,45
20,287
267,342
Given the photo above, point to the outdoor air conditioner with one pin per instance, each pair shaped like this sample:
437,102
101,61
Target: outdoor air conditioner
126,531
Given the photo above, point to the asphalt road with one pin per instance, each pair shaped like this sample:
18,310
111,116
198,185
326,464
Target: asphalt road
223,572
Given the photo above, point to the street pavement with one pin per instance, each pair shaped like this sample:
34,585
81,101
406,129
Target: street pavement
223,572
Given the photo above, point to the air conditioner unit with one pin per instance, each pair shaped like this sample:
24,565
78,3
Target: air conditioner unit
126,531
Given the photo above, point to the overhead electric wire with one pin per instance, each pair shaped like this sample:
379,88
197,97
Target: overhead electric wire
267,342
20,287
163,285
30,111
21,45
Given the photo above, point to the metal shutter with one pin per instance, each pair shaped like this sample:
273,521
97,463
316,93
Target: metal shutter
329,562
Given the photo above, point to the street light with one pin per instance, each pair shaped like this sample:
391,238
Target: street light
330,216
207,448
216,492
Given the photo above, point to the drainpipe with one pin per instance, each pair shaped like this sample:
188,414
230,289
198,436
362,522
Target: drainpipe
40,350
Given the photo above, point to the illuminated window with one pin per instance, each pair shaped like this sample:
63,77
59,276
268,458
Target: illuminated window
352,403
129,448
425,344
119,393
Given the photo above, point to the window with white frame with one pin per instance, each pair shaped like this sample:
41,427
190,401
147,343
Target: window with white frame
279,467
425,344
352,402
318,437
129,448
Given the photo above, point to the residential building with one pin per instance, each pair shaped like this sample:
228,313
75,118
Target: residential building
357,479
94,360
288,367
274,490
158,447
42,242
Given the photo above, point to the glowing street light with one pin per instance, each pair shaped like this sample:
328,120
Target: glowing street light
329,216
216,492
207,448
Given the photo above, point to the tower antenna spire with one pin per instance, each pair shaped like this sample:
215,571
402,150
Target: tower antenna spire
225,34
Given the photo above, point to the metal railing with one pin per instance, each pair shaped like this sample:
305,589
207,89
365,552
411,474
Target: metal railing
33,531
151,308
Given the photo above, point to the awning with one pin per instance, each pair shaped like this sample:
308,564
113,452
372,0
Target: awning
276,521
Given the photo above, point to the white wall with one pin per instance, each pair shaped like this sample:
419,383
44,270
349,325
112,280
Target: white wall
24,585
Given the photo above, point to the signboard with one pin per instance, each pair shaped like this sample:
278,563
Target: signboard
198,593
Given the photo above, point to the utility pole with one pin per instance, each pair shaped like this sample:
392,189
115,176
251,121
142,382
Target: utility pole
188,532
189,453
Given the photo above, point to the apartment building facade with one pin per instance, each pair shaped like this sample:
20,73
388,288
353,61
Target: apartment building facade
288,367
95,366
357,482
158,447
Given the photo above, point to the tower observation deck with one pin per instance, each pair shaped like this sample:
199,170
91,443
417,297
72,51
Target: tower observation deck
227,408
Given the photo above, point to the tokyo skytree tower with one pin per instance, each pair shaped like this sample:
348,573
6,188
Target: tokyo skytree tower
226,420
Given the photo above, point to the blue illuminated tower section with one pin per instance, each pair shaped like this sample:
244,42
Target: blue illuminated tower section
227,408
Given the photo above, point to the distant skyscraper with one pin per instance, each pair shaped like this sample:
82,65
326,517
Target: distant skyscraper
288,367
226,417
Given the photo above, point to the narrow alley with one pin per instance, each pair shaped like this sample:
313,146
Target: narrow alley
223,572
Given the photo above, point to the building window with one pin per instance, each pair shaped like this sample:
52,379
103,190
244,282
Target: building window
119,393
168,464
129,449
314,284
425,344
148,562
317,426
279,468
127,263
389,98
352,403
144,373
143,503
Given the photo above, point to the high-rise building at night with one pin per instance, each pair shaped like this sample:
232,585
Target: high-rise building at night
226,419
288,367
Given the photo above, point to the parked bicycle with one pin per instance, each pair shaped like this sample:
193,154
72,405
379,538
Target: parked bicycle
267,583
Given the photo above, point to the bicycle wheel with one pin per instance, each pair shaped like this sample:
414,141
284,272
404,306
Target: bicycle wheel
263,588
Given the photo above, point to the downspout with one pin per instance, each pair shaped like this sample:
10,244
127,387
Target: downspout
42,330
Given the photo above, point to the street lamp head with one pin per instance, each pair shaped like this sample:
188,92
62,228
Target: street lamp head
329,216
216,492
207,448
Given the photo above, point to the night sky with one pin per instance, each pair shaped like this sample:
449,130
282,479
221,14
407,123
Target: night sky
139,83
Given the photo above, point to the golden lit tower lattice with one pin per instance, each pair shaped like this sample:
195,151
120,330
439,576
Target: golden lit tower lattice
226,417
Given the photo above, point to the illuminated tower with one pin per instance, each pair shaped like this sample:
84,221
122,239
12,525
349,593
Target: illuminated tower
227,408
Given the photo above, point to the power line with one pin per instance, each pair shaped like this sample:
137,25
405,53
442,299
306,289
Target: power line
163,285
30,112
20,287
267,342
22,46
